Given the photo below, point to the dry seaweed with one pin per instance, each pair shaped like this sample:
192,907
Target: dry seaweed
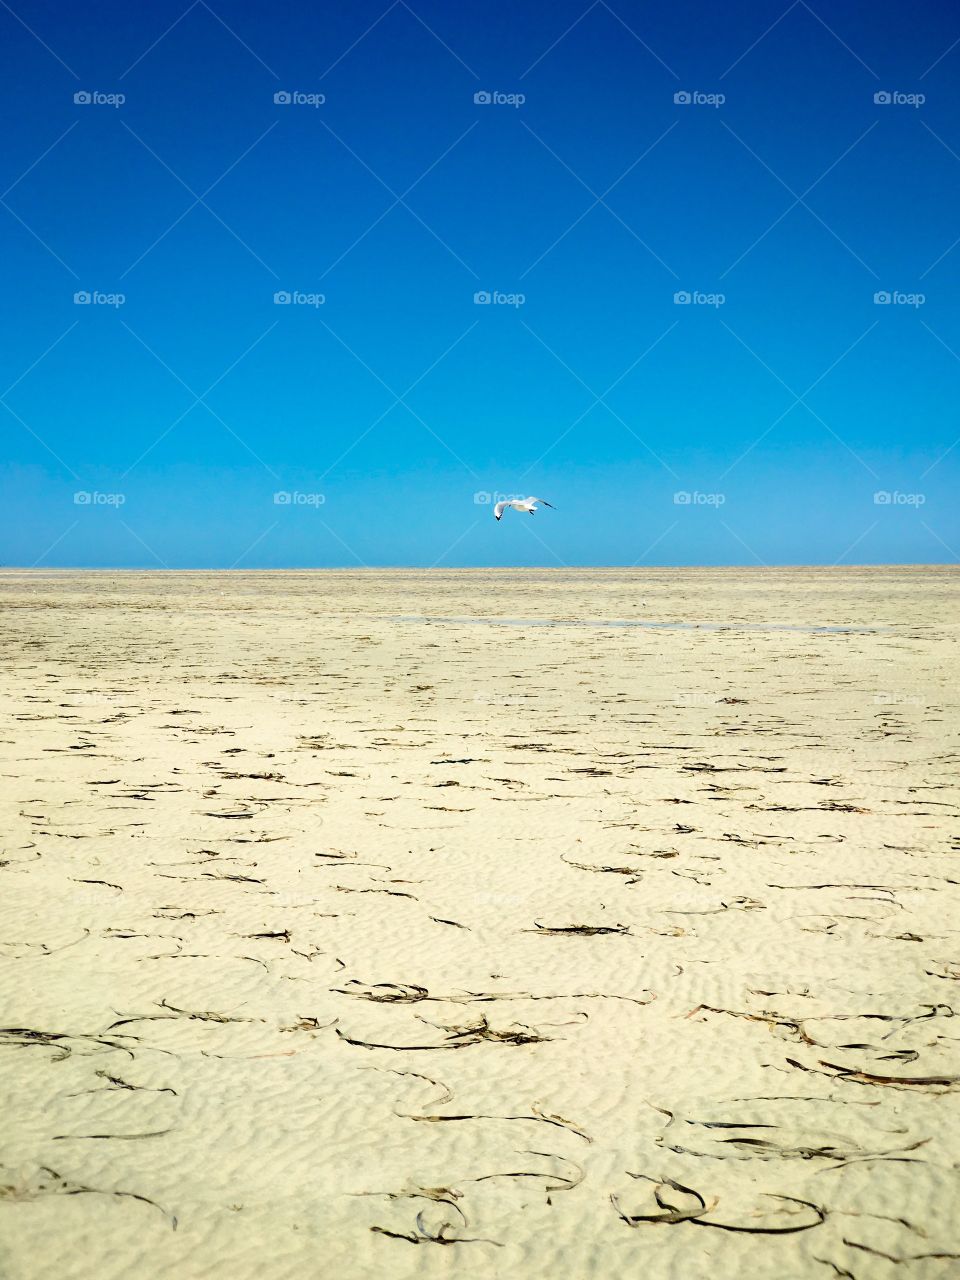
584,930
697,1207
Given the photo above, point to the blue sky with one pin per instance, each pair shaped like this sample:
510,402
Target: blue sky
782,415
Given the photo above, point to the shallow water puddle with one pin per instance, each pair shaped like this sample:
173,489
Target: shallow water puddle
644,622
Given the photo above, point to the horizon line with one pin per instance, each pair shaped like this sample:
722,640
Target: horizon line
493,568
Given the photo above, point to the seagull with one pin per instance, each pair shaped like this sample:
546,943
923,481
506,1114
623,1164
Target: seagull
521,504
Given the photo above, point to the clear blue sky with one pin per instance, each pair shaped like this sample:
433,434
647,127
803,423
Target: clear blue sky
782,411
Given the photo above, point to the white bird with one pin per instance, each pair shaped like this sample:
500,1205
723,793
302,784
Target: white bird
521,504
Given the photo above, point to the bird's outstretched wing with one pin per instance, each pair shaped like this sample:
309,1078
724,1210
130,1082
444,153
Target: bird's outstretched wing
543,502
498,510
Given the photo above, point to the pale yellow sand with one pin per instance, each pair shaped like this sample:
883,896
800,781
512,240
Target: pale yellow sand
290,986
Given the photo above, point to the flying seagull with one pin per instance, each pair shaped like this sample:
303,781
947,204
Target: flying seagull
521,504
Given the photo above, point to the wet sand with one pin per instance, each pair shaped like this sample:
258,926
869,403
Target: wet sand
341,935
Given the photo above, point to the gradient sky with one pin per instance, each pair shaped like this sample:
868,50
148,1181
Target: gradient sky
781,412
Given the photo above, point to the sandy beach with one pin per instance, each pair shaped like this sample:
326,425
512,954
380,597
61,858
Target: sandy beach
506,923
